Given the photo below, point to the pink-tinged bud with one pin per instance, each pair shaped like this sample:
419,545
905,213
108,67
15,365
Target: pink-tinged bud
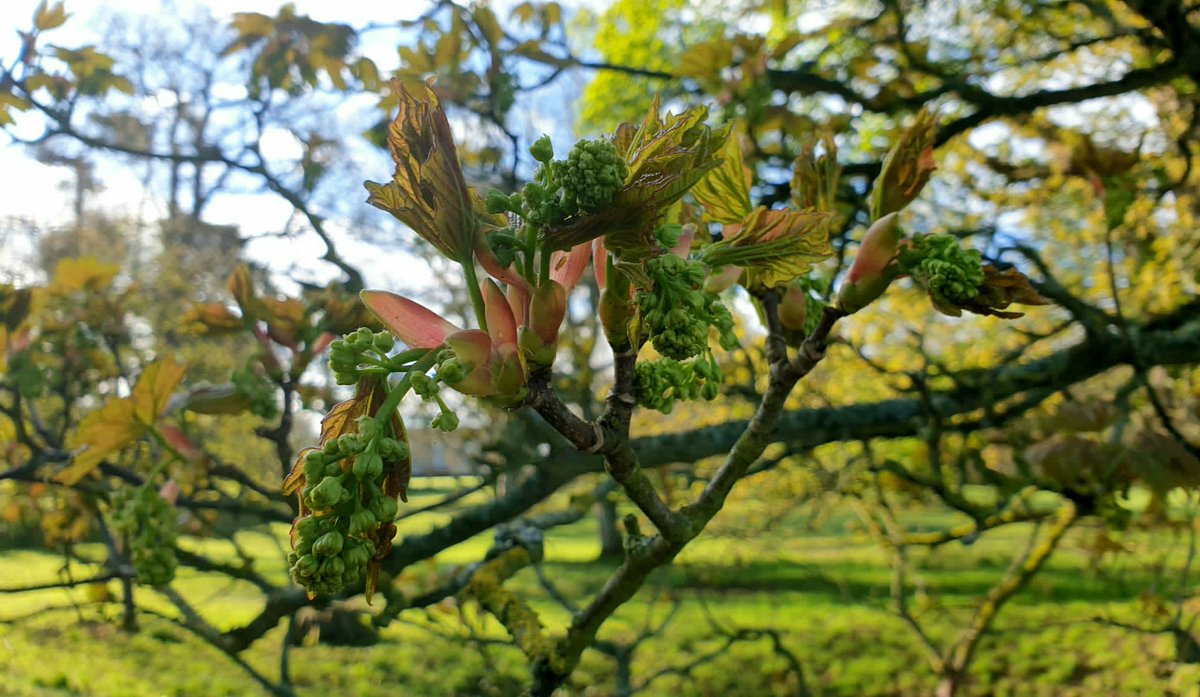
502,323
870,274
684,247
547,311
518,300
472,347
793,307
599,261
169,491
567,267
182,444
722,280
413,323
322,342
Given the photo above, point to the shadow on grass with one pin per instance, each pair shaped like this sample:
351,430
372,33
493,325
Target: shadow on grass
853,583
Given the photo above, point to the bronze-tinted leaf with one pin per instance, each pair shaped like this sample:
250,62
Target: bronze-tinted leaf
907,167
1001,289
427,191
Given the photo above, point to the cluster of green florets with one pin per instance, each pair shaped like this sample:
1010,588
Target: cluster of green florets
147,523
258,392
677,314
947,270
589,178
346,503
359,352
660,383
592,174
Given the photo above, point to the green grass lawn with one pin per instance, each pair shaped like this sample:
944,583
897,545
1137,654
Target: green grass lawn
824,588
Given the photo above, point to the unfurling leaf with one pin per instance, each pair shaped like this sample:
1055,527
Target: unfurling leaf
122,420
427,191
815,179
666,158
906,169
241,286
725,191
1001,289
84,273
773,246
211,318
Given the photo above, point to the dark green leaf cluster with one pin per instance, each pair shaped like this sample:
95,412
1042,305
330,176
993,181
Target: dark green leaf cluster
677,314
659,384
950,273
147,523
360,352
346,503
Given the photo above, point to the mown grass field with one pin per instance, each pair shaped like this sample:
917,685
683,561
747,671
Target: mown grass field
824,587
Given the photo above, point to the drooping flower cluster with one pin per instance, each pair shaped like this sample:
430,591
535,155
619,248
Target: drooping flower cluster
659,384
677,315
345,504
147,522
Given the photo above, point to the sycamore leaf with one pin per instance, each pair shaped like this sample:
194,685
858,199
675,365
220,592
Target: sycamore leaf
705,61
428,192
773,246
83,273
101,433
666,158
122,420
725,191
154,388
49,16
907,167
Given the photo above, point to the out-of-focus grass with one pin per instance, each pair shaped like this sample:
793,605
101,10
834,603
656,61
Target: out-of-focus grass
826,588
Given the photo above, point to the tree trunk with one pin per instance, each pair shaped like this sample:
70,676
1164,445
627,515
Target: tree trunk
611,545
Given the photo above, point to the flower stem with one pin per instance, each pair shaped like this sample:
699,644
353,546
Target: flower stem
396,394
476,294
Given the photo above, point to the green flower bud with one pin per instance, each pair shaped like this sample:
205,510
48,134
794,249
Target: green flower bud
329,544
384,509
368,466
305,567
496,202
542,149
362,522
307,528
327,493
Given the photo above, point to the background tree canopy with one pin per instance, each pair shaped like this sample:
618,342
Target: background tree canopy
883,380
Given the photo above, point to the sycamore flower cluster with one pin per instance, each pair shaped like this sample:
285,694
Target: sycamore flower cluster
659,384
147,522
677,314
346,503
947,270
589,178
